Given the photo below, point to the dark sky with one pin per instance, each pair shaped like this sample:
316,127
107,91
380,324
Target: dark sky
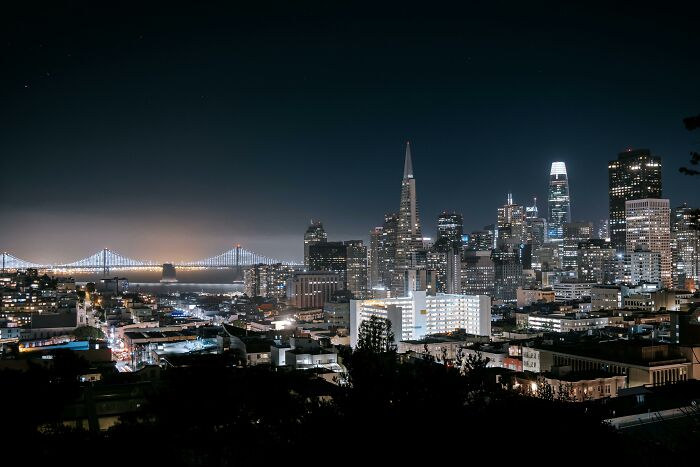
175,130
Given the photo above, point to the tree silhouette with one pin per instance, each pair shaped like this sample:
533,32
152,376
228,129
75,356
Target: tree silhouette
375,336
692,123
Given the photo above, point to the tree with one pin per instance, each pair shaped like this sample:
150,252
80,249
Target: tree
692,123
471,363
88,332
544,390
375,336
565,392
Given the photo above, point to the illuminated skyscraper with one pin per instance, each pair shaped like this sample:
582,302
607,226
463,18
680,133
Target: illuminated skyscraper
685,228
648,226
356,268
634,175
387,250
559,202
373,257
409,237
449,231
573,234
535,226
511,224
314,234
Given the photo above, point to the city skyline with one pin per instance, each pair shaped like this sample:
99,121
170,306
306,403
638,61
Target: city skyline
213,166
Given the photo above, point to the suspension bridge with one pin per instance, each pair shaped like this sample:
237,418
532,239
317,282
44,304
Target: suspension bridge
106,260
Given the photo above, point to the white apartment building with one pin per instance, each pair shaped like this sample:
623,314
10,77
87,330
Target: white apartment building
417,315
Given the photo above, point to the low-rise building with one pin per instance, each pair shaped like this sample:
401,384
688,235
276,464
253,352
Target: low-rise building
606,297
568,290
526,297
560,322
640,363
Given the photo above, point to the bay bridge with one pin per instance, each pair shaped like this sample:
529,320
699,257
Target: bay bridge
107,260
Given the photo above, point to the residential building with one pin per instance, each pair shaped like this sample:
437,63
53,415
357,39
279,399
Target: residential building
565,291
560,322
526,297
417,315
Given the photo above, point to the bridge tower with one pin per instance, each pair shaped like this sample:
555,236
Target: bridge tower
105,268
237,269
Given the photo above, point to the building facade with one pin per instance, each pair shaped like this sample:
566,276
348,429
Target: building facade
314,234
267,280
559,201
312,289
409,239
685,231
636,174
644,266
478,273
596,261
648,225
419,315
449,231
573,234
356,268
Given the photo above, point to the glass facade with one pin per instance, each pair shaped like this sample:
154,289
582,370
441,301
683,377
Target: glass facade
559,202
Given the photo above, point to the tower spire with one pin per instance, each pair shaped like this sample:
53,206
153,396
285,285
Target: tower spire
408,164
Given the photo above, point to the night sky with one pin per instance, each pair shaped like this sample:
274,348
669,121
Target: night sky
174,131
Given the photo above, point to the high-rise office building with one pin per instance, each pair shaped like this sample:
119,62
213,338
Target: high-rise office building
535,227
387,250
573,234
409,237
648,225
374,258
511,224
685,231
447,268
603,230
449,231
356,267
267,280
480,240
644,266
559,201
347,259
596,261
314,234
636,174
508,273
547,258
312,289
478,273
329,257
